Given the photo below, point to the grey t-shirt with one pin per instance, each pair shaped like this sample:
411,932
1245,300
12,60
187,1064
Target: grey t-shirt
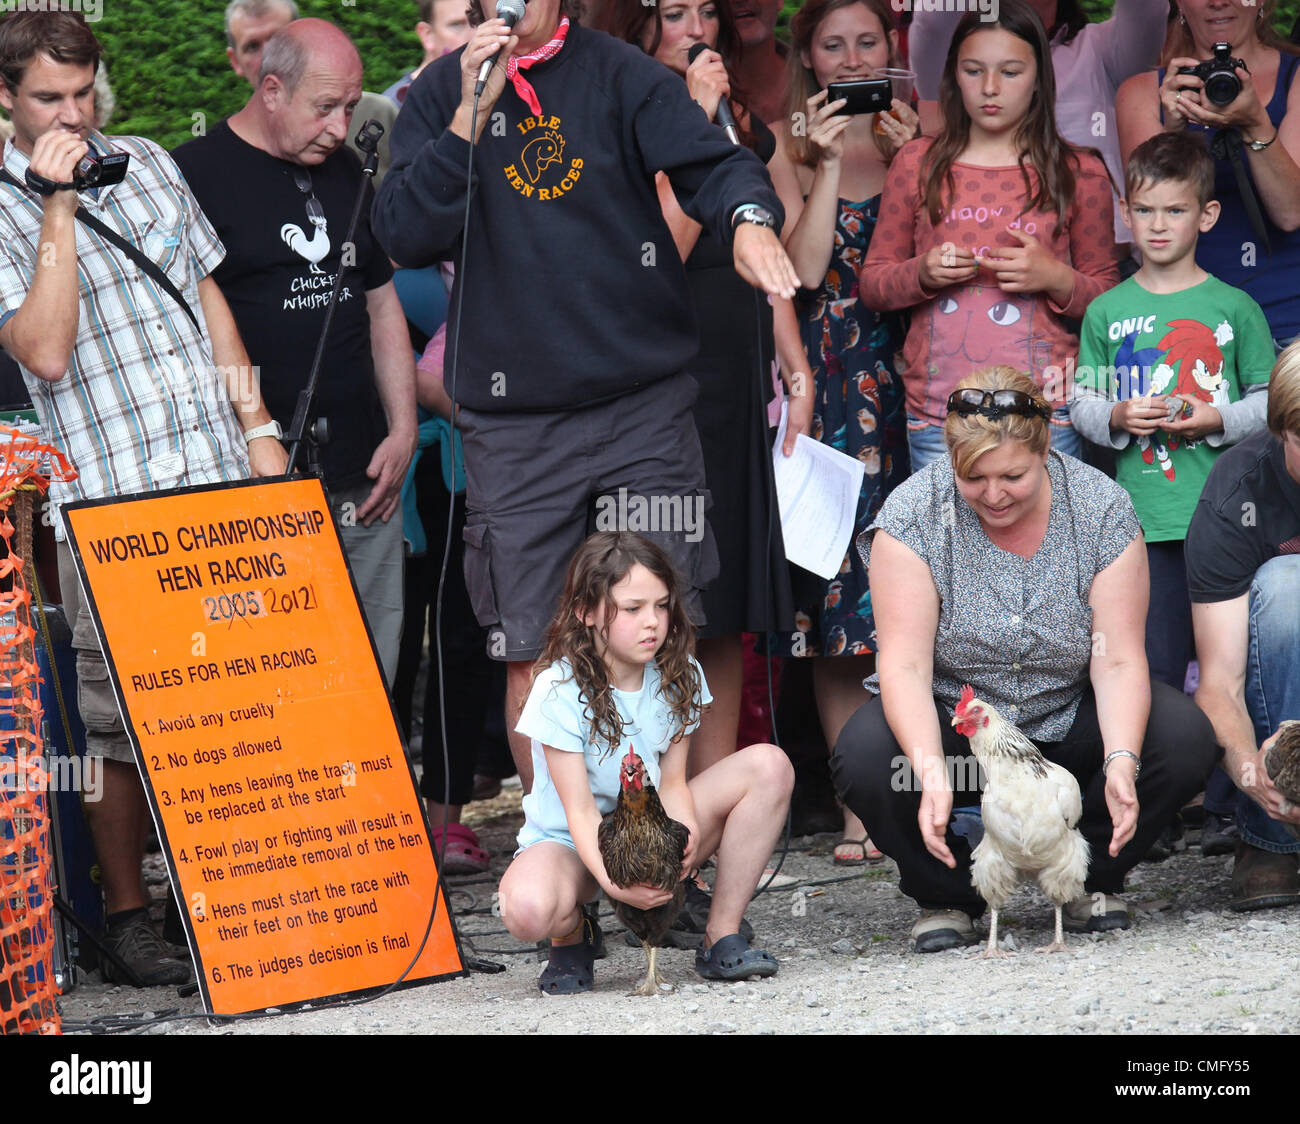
1019,630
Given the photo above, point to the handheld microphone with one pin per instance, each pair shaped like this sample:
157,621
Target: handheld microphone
724,115
512,11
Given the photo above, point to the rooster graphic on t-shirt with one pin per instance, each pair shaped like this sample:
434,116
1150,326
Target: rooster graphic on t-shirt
314,249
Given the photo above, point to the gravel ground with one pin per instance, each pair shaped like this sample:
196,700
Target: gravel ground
1188,966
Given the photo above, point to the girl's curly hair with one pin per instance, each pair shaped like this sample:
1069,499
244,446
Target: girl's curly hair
604,560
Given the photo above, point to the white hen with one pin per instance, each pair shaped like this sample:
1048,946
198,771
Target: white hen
1030,808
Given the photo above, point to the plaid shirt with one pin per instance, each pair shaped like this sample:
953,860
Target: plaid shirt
142,406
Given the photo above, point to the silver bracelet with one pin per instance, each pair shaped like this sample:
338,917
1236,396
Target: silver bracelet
1122,753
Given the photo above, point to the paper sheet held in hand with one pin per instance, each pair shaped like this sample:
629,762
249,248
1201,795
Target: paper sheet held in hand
817,491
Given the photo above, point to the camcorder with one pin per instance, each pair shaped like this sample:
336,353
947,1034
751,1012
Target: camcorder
95,169
1219,75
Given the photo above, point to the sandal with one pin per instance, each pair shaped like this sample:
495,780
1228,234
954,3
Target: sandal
732,959
571,968
870,853
462,853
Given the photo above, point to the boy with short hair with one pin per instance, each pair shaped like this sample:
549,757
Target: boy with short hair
1172,366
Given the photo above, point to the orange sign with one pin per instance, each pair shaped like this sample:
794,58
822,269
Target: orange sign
268,745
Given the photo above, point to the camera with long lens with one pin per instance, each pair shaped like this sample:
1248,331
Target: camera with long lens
95,169
1218,75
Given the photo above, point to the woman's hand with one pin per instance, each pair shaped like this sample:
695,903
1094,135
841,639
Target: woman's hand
1029,268
826,126
936,810
899,125
1122,801
799,412
946,265
707,81
1186,100
1177,92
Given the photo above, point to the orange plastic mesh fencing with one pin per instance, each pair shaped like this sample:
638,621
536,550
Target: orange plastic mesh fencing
27,988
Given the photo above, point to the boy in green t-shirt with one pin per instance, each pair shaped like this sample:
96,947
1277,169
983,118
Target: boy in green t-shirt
1173,365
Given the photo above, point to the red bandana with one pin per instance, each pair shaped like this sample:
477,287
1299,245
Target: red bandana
547,50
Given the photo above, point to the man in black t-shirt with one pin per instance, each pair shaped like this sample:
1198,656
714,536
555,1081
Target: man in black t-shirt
1243,573
278,184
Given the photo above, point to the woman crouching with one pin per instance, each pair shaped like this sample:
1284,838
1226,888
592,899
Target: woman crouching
1020,571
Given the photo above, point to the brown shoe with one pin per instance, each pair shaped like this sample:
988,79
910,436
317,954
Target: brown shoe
1264,879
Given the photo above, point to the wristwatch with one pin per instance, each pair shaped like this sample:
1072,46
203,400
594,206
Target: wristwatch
752,212
270,429
1259,146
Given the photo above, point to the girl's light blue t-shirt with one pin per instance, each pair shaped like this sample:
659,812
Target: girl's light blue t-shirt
553,715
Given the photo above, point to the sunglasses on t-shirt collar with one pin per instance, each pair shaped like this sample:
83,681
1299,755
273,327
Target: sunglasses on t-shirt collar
996,404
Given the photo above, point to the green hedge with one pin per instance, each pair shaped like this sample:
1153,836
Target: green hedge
167,58
168,64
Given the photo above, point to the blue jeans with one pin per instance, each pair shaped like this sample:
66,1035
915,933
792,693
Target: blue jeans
925,442
1272,682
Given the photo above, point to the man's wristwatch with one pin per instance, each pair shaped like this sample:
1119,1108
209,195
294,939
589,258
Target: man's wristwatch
270,429
752,212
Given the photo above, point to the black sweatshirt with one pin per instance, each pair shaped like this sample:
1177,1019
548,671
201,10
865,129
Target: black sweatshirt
574,292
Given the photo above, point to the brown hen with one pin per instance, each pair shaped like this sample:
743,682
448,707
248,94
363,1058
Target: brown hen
639,843
1282,764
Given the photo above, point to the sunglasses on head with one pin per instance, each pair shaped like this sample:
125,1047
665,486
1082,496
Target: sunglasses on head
996,404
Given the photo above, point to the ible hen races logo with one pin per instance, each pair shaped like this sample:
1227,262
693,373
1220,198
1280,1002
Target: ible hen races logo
541,172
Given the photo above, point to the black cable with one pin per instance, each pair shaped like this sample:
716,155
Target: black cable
769,485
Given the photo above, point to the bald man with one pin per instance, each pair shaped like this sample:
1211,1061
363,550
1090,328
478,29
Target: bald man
278,183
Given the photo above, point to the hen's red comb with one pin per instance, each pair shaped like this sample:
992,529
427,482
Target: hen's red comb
967,696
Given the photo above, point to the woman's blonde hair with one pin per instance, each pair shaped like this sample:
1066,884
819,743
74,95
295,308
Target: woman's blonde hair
970,436
1284,393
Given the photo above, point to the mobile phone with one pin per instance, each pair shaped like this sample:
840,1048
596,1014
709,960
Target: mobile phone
867,95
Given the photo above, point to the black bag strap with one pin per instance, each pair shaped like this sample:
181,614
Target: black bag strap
129,249
1227,143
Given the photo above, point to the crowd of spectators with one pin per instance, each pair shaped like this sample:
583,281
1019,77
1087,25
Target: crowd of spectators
1048,303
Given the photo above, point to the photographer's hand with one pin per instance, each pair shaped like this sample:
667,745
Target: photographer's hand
54,156
42,333
1177,92
1245,112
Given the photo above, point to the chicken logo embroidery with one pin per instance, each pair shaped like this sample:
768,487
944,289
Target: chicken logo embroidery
542,172
540,153
315,249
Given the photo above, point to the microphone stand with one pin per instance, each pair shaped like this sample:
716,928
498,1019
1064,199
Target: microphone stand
315,432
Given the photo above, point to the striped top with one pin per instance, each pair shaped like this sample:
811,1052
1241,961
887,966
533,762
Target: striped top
1019,630
143,405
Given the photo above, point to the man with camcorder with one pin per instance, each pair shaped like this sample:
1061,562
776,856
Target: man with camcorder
133,363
